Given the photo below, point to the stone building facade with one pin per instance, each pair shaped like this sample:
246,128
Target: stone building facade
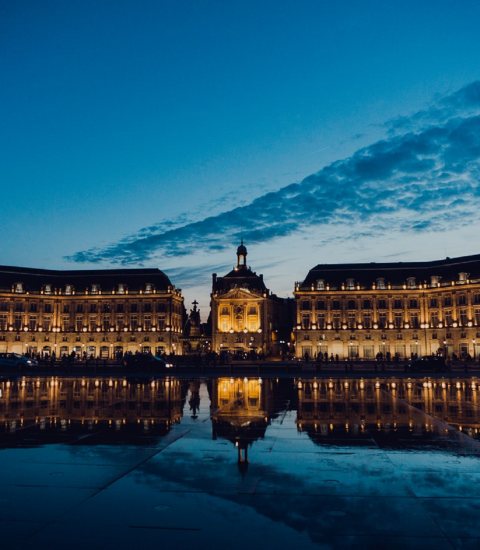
94,313
245,315
390,310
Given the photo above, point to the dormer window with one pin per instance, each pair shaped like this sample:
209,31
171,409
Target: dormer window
462,277
350,284
381,283
68,289
435,280
121,288
411,282
48,289
321,284
148,288
95,289
19,288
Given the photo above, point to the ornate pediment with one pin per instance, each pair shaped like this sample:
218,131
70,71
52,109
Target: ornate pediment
241,293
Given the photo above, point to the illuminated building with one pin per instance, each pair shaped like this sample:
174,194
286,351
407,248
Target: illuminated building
99,313
389,310
245,316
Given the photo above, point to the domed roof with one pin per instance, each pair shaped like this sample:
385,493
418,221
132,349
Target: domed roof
242,250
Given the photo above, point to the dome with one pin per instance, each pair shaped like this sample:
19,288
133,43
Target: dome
242,250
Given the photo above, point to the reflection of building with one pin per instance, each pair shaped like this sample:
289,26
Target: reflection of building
97,312
391,407
245,315
394,309
152,406
242,408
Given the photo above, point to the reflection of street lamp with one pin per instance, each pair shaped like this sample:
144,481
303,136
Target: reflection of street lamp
445,348
350,351
473,341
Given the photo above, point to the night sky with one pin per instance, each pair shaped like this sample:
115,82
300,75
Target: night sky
160,133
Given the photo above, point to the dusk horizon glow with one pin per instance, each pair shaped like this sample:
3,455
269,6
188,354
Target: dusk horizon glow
161,134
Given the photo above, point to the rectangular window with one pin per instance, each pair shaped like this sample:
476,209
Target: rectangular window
463,317
133,308
336,321
224,310
47,323
79,324
306,321
66,308
19,306
367,304
447,301
106,323
367,320
252,310
351,320
306,305
147,320
93,308
161,322
93,324
336,304
462,300
106,308
3,322
120,322
33,307
413,304
398,303
434,318
320,304
17,322
414,320
351,304
448,318
120,308
133,322
79,308
382,304
398,320
382,320
65,324
147,308
321,320
32,322
433,302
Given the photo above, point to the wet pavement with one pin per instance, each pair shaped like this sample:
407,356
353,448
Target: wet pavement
308,462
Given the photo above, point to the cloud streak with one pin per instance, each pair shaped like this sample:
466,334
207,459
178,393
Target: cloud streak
424,176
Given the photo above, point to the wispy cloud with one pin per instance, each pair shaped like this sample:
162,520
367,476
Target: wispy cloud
423,177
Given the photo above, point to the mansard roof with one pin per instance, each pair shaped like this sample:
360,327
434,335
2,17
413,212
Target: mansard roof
397,274
107,279
239,277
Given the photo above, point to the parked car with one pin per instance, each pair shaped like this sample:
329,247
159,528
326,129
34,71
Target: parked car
427,363
15,360
145,362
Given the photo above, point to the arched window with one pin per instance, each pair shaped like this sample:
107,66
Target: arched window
381,283
320,284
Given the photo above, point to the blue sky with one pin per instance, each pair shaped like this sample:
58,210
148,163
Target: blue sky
159,133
